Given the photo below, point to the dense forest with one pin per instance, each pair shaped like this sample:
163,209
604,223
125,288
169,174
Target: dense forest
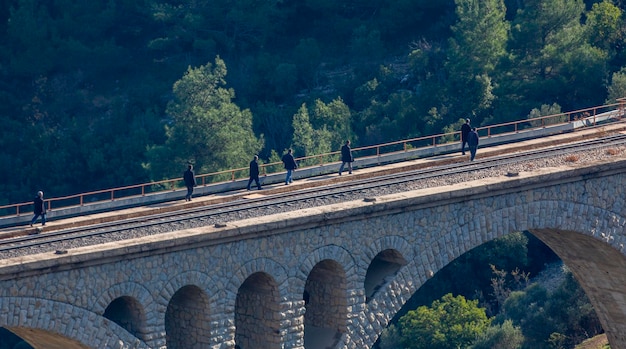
98,94
105,93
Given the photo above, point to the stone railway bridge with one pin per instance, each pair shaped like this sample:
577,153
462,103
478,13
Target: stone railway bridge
327,277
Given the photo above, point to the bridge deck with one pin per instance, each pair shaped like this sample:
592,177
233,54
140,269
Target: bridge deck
89,219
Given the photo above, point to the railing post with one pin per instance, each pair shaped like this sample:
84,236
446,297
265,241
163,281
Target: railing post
621,101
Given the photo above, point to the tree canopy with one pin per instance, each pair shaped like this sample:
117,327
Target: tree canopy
73,72
207,128
449,323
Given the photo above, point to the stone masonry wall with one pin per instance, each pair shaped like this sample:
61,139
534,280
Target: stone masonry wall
429,228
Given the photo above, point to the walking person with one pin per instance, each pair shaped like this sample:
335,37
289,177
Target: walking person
472,142
190,181
465,130
254,172
39,209
290,166
346,157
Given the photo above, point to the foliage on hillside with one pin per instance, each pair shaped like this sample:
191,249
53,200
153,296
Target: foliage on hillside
87,88
522,314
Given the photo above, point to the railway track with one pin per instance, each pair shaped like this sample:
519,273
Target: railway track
59,241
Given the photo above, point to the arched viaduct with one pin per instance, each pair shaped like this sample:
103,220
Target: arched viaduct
331,276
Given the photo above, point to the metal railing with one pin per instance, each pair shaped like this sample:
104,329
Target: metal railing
113,194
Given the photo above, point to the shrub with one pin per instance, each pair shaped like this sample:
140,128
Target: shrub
503,336
449,323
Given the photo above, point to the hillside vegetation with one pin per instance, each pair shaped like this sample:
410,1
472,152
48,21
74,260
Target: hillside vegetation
98,94
498,295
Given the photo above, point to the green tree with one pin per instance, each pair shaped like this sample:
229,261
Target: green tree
390,338
366,46
546,110
561,318
475,49
308,57
449,323
604,26
321,129
336,118
583,76
527,309
307,140
617,86
205,27
206,127
570,306
501,336
545,35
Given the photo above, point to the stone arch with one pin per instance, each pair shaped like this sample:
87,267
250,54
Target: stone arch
332,252
51,321
326,303
187,312
125,304
257,313
385,257
571,235
391,242
266,265
131,289
129,314
325,295
272,270
600,274
183,279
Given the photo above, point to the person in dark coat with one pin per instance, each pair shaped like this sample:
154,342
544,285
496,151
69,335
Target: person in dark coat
465,130
472,142
190,181
39,209
254,172
290,166
346,157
